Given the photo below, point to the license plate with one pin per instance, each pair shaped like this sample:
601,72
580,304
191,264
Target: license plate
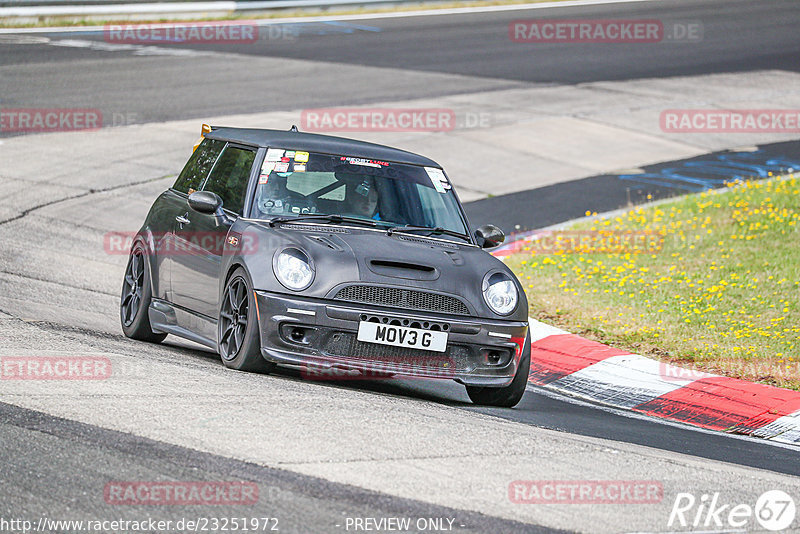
401,336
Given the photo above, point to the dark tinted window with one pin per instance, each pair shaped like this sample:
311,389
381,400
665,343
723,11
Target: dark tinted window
230,176
197,167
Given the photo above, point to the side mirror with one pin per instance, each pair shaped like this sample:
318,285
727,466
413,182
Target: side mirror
205,202
489,236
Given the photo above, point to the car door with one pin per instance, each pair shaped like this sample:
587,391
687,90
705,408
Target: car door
173,204
196,271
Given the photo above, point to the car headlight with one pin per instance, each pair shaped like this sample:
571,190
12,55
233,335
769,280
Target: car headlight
293,269
500,293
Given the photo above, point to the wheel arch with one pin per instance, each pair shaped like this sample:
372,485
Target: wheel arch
234,265
231,269
146,239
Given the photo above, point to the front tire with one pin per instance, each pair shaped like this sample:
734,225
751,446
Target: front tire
510,395
239,340
135,299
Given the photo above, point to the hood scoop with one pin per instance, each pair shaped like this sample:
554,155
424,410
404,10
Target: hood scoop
399,269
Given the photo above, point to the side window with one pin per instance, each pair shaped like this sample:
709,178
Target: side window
230,176
197,167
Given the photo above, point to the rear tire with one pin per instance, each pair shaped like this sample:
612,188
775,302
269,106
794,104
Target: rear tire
510,395
238,333
135,298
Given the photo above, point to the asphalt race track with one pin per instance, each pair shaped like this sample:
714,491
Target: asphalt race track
411,58
322,452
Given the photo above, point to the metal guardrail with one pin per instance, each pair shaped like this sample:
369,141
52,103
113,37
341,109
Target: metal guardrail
135,7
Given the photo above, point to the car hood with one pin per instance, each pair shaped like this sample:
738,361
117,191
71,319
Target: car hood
344,256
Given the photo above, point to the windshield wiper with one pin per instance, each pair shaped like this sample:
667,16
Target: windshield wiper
431,231
329,218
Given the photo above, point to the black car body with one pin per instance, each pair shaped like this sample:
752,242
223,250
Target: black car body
281,247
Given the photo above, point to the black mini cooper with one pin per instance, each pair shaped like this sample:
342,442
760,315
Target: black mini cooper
282,247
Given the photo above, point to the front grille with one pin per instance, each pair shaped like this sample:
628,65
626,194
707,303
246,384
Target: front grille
346,345
407,299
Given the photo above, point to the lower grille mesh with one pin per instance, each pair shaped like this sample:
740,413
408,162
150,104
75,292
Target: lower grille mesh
408,299
346,345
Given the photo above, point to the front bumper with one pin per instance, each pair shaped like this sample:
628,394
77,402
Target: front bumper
322,334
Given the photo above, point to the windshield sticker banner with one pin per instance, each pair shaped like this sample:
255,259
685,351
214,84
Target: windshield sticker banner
365,162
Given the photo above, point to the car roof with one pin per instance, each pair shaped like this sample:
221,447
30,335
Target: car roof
326,144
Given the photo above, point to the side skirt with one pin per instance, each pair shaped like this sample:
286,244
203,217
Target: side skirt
171,319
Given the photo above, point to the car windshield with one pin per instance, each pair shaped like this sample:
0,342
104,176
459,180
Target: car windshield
294,183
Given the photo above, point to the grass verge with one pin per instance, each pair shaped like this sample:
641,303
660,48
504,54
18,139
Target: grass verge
709,281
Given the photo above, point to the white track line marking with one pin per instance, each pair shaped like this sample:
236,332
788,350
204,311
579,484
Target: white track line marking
136,50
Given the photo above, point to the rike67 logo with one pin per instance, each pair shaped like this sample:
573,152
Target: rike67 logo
774,511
